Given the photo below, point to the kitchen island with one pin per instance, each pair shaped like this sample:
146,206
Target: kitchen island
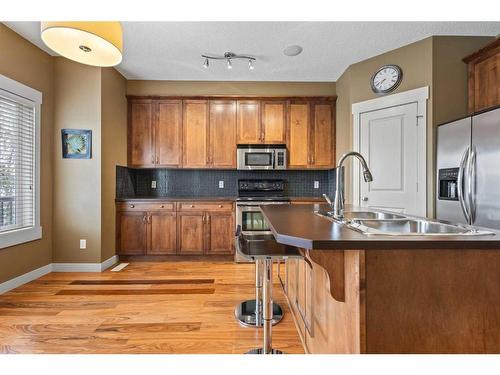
355,293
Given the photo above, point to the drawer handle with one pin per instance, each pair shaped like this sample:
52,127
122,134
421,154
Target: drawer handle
132,205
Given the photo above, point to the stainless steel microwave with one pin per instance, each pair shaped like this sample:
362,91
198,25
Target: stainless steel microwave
261,157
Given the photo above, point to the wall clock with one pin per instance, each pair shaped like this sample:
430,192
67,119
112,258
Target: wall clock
386,79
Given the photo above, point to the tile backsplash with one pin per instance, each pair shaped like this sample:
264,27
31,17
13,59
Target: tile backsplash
135,183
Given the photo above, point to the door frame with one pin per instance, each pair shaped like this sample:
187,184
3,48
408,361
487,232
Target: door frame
419,96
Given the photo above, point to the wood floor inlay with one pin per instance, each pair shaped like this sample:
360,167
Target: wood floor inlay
148,307
142,282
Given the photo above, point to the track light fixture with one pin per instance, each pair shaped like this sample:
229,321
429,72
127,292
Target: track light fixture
229,56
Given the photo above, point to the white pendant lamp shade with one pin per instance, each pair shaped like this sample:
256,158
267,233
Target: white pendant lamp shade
91,43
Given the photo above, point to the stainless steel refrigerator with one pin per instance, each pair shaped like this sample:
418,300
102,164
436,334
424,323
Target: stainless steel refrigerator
468,170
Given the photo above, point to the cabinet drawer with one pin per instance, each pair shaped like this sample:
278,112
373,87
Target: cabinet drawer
205,206
142,206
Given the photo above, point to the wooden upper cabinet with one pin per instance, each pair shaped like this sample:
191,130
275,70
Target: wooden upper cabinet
248,122
299,130
484,77
168,133
323,132
195,134
222,152
140,134
273,121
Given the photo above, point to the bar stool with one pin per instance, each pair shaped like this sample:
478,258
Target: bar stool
249,313
266,251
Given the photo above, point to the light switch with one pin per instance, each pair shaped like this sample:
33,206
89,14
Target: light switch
153,184
316,184
221,184
83,244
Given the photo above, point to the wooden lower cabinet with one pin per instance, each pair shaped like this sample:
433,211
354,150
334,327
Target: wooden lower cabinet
163,231
191,228
183,228
131,233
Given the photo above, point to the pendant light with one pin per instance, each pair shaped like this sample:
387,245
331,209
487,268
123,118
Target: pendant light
92,43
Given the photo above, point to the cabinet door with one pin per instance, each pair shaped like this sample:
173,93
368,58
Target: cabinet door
195,134
191,233
168,133
223,133
299,135
220,233
487,83
132,233
249,122
323,135
274,121
140,134
163,229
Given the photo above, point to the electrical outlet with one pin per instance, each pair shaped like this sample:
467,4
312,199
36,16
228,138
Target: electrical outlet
153,184
221,184
83,244
316,184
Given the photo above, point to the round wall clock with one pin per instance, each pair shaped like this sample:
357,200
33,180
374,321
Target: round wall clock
386,79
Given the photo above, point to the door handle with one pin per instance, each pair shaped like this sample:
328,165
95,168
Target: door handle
364,199
460,183
471,182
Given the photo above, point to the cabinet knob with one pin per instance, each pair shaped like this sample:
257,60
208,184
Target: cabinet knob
192,206
220,205
162,206
132,205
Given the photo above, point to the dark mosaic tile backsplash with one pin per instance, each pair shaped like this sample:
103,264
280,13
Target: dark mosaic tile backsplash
136,183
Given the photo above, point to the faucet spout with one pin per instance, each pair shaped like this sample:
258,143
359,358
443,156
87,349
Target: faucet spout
338,203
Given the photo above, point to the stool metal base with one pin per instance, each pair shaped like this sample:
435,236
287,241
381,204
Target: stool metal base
245,314
261,351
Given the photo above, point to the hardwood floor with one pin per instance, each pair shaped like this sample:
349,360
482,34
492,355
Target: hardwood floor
162,307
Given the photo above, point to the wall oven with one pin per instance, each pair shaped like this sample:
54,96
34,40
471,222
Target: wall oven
255,157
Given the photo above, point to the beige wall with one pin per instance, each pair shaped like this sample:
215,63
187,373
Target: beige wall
114,151
22,61
230,88
77,182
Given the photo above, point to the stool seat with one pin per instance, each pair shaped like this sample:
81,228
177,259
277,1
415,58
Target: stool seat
265,247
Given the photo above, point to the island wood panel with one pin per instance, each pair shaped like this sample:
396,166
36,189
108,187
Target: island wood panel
222,134
335,327
163,232
220,233
131,233
433,301
274,121
168,133
299,131
322,136
195,134
249,122
140,129
191,233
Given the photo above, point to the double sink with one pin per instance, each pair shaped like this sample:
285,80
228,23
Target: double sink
391,224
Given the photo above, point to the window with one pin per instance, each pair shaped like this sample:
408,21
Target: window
19,163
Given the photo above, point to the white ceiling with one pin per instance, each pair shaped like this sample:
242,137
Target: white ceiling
171,50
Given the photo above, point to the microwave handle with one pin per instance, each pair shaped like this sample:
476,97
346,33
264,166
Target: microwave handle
273,162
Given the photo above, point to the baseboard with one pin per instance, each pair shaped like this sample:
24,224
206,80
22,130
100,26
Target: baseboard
56,267
25,278
84,267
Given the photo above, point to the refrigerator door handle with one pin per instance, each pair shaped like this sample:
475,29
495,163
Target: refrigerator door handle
460,179
471,193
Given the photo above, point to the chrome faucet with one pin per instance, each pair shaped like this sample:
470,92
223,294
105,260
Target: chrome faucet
338,202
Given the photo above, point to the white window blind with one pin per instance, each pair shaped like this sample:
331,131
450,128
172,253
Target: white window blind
17,163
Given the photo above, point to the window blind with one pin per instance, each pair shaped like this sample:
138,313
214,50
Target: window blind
17,163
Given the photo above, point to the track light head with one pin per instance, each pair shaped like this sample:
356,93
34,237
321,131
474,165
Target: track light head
250,65
229,64
205,64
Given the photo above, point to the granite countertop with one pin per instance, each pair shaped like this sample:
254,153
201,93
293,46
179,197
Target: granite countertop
298,225
198,198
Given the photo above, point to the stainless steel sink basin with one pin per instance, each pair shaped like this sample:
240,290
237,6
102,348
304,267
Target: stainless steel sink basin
407,227
351,215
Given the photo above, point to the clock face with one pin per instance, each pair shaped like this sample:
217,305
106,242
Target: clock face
386,79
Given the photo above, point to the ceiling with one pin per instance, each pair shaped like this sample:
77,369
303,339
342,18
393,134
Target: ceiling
171,50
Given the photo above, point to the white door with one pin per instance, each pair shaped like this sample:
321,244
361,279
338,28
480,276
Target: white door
388,139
